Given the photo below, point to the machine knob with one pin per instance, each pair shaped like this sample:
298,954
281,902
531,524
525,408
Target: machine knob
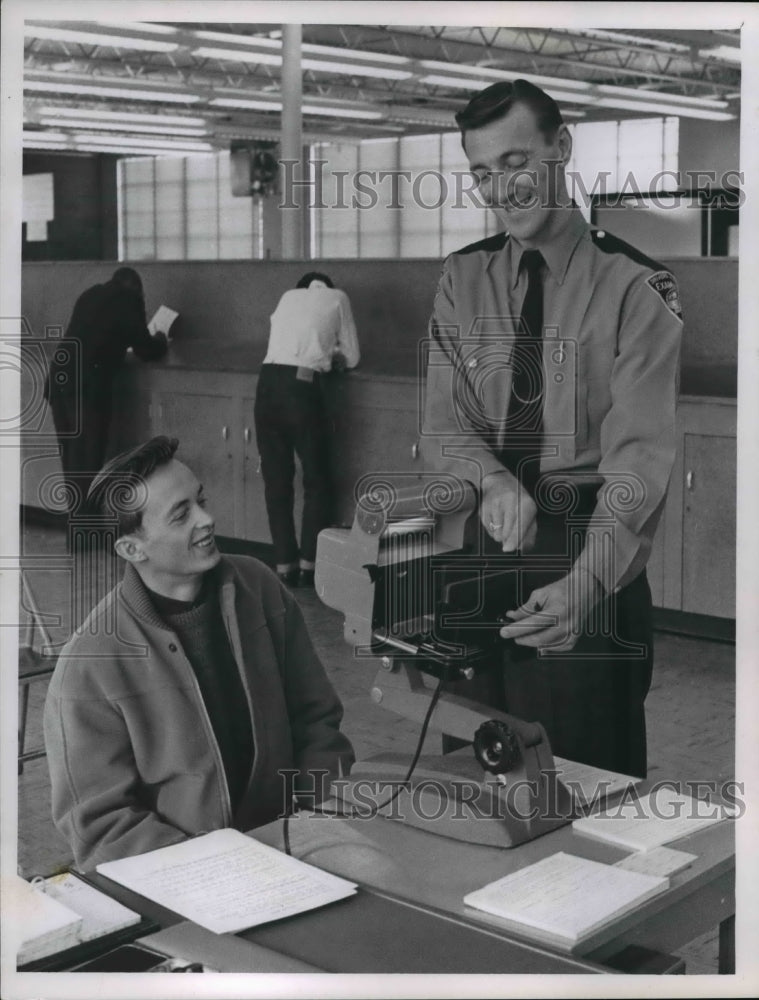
496,747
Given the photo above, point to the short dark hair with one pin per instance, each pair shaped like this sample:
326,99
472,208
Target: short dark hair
126,276
117,491
306,280
496,101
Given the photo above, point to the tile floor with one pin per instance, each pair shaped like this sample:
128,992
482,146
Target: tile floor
690,713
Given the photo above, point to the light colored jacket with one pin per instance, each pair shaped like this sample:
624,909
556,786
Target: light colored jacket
133,760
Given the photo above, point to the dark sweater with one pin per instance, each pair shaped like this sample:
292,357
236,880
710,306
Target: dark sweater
200,628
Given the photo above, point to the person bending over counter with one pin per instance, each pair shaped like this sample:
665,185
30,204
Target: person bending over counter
189,688
553,378
106,321
312,332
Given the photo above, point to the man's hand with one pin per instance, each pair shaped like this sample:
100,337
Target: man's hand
553,616
508,513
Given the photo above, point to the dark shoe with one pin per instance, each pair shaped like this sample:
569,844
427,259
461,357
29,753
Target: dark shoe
306,578
289,577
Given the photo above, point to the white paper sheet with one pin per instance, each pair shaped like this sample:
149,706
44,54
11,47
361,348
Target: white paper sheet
657,861
162,320
226,881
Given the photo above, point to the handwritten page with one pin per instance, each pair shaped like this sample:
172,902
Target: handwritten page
563,898
657,861
100,914
658,818
591,784
227,882
162,320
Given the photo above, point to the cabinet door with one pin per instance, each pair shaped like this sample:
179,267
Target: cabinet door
708,548
208,429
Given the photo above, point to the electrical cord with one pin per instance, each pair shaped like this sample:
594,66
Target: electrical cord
359,814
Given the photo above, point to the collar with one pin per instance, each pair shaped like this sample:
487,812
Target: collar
558,252
136,595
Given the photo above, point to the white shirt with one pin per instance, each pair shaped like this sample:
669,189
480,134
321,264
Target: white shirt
309,326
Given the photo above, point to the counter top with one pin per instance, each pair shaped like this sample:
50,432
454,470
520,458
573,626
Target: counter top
710,380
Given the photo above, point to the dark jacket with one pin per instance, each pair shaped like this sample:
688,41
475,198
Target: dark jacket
133,760
107,320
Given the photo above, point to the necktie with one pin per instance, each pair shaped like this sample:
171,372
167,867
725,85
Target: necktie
525,413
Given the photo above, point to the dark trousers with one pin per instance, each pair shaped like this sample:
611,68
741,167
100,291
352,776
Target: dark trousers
590,700
290,419
82,424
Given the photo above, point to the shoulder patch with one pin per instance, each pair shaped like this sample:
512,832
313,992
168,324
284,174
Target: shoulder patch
665,286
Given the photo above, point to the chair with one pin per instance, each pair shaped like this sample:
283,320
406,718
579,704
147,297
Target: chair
34,663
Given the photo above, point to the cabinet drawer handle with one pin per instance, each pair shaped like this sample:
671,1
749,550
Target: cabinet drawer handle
415,450
225,432
689,480
246,435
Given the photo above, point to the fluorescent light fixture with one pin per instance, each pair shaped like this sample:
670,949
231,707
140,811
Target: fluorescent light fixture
462,82
157,153
139,141
490,73
725,53
230,39
356,69
51,136
55,34
617,36
664,109
250,42
130,93
307,109
700,102
127,116
245,103
238,55
316,65
124,126
157,29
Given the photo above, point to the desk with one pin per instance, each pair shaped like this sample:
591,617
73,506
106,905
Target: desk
408,916
437,872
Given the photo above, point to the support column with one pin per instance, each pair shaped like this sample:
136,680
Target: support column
292,144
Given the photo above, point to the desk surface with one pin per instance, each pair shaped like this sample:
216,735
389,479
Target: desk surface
438,872
409,917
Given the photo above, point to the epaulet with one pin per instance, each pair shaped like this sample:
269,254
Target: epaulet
661,280
612,244
488,245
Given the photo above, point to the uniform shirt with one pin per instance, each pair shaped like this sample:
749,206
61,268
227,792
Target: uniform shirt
612,331
309,326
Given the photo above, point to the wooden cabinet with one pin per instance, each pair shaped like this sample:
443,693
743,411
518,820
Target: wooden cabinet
692,566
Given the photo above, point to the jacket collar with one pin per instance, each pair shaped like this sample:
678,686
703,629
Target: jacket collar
135,594
557,253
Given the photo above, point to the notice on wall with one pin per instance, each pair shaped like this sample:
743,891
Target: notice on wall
38,205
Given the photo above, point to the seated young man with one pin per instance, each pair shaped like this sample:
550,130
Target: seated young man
190,687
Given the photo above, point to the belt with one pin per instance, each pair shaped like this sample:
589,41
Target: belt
302,374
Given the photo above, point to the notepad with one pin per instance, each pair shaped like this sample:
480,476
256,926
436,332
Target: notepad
62,912
563,900
658,818
227,882
162,320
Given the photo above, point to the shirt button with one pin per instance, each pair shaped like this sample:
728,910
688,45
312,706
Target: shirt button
173,647
600,234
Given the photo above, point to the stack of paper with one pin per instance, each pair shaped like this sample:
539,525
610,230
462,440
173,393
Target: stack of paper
100,914
563,899
658,818
43,925
227,882
162,321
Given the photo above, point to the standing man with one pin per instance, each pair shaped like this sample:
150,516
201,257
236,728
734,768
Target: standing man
551,386
312,332
191,699
106,321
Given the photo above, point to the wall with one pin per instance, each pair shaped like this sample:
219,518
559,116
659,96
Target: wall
85,226
225,305
710,146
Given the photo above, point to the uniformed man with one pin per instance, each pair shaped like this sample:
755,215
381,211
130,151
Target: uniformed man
551,386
